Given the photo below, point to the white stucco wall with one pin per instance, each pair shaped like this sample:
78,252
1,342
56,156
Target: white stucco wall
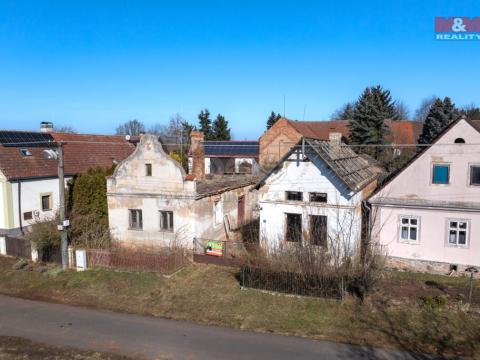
415,183
3,201
342,209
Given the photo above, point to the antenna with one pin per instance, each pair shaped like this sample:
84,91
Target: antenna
304,111
283,105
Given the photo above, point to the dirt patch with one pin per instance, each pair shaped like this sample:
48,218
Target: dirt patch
22,349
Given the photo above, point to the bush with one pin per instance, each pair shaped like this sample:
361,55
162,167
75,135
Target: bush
44,234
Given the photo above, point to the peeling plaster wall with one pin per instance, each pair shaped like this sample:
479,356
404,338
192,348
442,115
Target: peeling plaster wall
167,189
342,208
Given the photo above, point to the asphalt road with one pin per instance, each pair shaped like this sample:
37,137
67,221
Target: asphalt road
155,338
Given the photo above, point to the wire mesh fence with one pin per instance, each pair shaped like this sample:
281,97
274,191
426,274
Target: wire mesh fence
294,283
135,260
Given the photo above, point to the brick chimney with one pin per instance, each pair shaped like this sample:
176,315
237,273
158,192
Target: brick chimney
335,138
198,155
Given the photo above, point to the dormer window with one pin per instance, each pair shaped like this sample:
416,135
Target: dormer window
25,152
459,141
148,169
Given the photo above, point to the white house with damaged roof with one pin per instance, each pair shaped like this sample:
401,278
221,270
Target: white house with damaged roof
314,195
427,215
152,201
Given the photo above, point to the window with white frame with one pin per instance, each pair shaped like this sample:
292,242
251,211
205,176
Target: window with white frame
166,220
409,228
218,212
135,219
458,232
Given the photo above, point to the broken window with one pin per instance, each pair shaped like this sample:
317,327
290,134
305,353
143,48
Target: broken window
166,220
135,221
294,195
46,203
318,230
458,232
148,169
318,197
294,227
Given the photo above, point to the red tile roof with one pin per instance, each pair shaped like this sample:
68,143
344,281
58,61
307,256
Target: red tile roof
401,131
81,152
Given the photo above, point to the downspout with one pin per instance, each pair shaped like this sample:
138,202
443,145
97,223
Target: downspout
368,230
20,206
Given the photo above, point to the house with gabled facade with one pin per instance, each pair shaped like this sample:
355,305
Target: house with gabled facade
315,194
427,215
153,202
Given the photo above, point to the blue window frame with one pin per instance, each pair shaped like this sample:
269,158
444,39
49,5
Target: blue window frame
441,174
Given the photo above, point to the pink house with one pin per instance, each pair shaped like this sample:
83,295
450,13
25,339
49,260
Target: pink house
427,216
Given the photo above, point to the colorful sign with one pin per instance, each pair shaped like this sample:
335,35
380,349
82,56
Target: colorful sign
457,28
214,248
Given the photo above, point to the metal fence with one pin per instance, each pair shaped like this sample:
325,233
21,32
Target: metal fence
293,283
133,260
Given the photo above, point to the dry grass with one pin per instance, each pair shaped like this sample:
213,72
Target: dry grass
403,312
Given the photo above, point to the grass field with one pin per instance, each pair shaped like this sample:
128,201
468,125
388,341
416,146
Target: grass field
415,312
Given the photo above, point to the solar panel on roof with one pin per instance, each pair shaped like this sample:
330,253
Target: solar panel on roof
237,148
30,139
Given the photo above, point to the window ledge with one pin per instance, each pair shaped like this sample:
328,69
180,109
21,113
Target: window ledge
412,242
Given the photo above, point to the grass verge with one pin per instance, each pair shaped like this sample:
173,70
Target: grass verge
413,312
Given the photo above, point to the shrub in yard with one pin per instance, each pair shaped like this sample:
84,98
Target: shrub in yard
44,234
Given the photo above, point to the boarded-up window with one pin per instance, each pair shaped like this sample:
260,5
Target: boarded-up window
46,203
166,220
135,221
294,227
294,195
318,230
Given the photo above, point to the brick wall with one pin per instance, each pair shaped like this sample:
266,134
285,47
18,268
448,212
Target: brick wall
276,142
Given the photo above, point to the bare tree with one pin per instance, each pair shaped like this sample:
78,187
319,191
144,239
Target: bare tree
422,111
402,111
131,127
346,112
65,129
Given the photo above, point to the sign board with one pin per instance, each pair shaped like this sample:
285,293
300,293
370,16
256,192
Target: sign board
81,259
214,248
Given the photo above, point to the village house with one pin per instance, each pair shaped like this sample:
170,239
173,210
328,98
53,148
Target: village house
427,215
29,188
314,195
229,157
153,202
285,133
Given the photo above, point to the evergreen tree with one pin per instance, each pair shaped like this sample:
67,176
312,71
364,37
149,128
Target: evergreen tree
368,124
386,107
441,114
205,124
220,129
346,112
272,119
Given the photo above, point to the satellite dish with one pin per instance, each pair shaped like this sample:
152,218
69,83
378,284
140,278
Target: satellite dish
127,137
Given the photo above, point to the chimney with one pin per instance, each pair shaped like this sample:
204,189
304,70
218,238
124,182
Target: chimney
46,127
198,155
335,138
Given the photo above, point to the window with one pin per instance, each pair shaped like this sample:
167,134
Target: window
135,220
441,174
27,215
457,232
459,141
475,175
318,230
166,220
46,203
294,227
148,169
318,197
217,212
409,228
25,152
294,195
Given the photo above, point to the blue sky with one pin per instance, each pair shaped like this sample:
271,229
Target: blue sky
95,64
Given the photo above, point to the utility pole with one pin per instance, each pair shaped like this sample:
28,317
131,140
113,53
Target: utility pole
61,226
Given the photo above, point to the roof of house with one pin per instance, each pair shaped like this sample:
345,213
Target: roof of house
81,152
401,131
232,148
356,171
218,184
474,123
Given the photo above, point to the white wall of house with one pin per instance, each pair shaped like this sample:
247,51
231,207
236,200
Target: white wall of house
342,208
3,202
414,183
238,162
